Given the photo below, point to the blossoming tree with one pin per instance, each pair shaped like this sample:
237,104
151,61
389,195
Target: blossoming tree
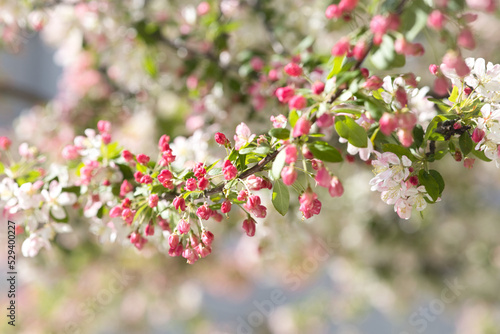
313,110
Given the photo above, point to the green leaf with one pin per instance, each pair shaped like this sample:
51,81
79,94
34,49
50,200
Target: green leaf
337,66
293,117
281,197
141,168
323,151
73,189
481,155
431,185
357,134
341,127
418,135
150,66
439,179
31,176
111,151
454,95
215,171
233,155
398,150
465,143
278,165
126,171
385,57
414,19
280,133
2,168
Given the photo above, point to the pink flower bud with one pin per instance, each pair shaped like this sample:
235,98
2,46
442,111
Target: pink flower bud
128,216
126,203
207,237
173,240
407,120
203,251
325,121
306,153
401,96
70,152
405,137
436,20
226,206
229,170
142,159
199,170
348,5
297,102
177,251
359,51
434,69
163,143
291,154
336,189
191,184
486,5
183,226
289,175
323,178
149,229
379,24
104,126
256,63
134,237
165,226
293,69
106,138
393,21
127,155
179,203
341,47
165,177
242,196
190,255
203,8
125,188
203,183
333,12
146,179
466,40
478,135
364,72
373,83
469,163
388,123
467,90
452,60
302,127
115,212
249,226
5,143
203,212
318,87
284,94
221,139
441,86
153,200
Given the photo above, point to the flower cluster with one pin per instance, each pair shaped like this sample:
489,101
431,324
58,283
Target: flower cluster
398,183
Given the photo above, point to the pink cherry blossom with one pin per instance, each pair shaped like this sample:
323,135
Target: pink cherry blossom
243,135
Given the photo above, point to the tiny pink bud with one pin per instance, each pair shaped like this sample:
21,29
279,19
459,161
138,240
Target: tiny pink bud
183,226
207,237
333,12
229,170
203,212
336,189
373,83
226,206
478,135
153,200
249,226
149,229
407,120
70,152
203,8
360,49
297,102
466,40
434,69
341,47
284,94
179,203
142,159
289,175
5,143
441,86
436,20
293,69
146,179
302,127
173,240
306,153
318,87
291,154
348,5
191,184
469,163
388,123
221,139
163,143
203,183
324,121
127,155
115,212
104,126
125,188
405,137
323,178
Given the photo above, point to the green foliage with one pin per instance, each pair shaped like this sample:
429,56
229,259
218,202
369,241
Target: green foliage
324,151
278,165
347,128
281,197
